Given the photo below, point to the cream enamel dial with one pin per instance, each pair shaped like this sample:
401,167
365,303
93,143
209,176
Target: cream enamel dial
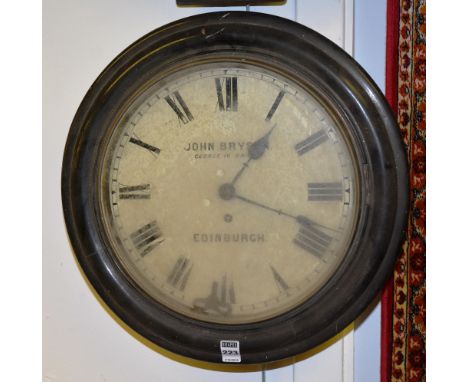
229,193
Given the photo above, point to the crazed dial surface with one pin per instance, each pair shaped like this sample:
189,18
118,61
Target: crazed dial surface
229,193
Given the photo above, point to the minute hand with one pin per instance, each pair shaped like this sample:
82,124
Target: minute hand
303,220
253,202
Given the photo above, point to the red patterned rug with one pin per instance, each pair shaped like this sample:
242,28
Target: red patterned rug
404,298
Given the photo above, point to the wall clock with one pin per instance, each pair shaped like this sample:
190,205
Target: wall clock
235,188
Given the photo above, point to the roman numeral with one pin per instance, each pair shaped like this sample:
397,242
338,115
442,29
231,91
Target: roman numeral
231,94
312,239
220,299
227,292
180,273
183,115
144,145
312,142
275,106
282,285
332,191
142,191
147,238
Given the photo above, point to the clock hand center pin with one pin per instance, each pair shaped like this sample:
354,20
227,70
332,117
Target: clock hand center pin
227,191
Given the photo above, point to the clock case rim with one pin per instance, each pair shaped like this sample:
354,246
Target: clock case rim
385,174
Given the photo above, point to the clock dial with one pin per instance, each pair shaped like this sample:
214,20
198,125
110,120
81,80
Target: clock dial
230,193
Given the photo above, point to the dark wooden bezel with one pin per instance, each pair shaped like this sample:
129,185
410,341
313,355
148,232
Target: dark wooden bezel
314,61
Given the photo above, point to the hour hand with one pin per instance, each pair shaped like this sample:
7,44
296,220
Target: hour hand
255,151
258,148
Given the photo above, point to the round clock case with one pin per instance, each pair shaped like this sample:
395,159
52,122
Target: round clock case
293,57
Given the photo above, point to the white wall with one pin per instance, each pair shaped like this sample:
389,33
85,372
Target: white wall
369,50
81,340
